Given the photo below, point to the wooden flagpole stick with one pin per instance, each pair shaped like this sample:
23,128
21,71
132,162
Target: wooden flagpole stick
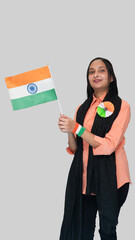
55,90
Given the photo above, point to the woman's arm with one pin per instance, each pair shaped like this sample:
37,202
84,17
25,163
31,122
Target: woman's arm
113,138
67,124
89,138
72,137
72,142
108,144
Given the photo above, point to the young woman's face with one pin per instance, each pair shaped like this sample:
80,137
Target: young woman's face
98,76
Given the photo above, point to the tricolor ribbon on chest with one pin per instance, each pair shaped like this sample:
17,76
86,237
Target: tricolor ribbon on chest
105,109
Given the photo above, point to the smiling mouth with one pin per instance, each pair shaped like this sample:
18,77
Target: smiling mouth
97,80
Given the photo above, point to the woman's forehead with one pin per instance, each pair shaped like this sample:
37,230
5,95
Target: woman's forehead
97,64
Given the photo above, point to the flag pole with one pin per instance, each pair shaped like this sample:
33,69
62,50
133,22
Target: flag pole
48,64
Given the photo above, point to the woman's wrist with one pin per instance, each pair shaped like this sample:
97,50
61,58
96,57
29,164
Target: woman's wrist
78,129
70,133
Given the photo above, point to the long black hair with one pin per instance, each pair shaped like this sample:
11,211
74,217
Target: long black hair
113,85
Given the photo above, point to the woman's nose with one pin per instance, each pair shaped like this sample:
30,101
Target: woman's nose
95,74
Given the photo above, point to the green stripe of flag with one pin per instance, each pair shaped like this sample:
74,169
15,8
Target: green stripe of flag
33,100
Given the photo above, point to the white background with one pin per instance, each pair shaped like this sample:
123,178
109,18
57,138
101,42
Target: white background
34,164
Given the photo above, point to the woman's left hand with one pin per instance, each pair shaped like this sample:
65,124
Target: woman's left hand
66,124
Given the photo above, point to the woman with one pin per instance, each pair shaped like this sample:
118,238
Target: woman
99,176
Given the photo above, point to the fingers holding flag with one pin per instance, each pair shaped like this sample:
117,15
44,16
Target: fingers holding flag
65,123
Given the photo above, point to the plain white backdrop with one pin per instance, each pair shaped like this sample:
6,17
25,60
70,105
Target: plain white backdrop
34,164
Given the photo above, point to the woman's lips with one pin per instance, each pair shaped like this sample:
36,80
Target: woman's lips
97,80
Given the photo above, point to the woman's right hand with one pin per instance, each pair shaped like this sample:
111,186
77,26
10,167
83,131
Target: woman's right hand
66,124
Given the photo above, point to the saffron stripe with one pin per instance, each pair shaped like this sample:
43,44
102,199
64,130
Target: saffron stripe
33,100
28,77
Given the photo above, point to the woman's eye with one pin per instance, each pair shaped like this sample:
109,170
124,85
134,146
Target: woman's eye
102,70
91,72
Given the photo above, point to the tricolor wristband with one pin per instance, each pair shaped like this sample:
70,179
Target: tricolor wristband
78,129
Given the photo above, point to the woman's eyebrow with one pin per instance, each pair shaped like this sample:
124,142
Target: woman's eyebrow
99,67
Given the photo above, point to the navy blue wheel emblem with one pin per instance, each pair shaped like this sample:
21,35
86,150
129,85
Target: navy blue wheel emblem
32,88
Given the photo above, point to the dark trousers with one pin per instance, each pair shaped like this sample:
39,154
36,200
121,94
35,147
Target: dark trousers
89,212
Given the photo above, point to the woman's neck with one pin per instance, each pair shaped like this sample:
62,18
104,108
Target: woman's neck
98,94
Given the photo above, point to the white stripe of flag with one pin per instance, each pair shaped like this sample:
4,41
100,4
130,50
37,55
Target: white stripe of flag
21,91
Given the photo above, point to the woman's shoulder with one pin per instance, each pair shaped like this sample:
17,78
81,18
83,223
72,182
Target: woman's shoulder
77,107
125,104
125,108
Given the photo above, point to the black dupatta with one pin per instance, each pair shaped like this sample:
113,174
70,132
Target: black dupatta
101,175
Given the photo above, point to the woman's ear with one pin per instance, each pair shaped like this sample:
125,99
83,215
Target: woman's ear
111,79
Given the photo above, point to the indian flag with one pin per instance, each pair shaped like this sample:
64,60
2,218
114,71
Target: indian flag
31,88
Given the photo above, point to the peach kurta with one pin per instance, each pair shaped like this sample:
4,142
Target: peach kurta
114,140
